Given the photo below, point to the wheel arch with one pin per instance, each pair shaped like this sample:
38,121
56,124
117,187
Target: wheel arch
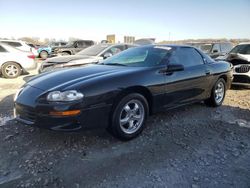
67,51
135,89
10,62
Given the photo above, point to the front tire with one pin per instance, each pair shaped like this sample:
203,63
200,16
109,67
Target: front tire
129,116
11,70
217,94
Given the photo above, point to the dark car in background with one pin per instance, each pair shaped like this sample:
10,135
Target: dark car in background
239,56
120,93
93,54
214,49
73,47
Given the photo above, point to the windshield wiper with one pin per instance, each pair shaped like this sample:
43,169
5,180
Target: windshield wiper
118,64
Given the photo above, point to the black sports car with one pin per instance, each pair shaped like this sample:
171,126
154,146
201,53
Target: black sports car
123,90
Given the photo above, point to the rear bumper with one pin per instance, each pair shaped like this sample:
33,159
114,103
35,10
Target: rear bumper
87,119
30,66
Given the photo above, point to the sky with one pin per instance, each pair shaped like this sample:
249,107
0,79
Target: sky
94,19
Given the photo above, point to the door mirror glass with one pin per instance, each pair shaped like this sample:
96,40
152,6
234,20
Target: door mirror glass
215,51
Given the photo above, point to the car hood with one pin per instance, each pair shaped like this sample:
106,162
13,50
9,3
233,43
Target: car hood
67,58
64,78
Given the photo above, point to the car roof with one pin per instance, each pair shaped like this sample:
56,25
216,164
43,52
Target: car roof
7,40
224,42
243,43
169,45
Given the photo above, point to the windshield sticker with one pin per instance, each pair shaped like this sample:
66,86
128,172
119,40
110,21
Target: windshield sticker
163,47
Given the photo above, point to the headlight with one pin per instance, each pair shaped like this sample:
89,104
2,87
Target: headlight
70,95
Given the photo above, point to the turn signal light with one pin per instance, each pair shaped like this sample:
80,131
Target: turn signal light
65,113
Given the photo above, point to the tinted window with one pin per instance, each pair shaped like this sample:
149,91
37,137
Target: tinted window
205,47
14,44
80,44
2,49
89,43
242,49
63,43
186,56
115,49
216,48
94,50
225,47
141,57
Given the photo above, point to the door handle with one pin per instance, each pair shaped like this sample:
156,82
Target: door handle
208,72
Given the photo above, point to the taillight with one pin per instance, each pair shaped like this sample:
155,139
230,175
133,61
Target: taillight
32,56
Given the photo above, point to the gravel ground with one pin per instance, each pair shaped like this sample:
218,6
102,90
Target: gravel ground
193,146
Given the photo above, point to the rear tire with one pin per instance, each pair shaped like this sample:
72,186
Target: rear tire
43,54
217,94
11,70
129,117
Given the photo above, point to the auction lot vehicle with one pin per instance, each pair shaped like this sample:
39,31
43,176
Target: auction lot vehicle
120,92
21,45
73,47
45,51
239,56
214,49
93,54
14,62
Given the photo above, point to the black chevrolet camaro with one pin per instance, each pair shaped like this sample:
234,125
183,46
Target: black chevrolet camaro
119,93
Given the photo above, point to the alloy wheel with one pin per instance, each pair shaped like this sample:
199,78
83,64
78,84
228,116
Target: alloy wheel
132,116
219,92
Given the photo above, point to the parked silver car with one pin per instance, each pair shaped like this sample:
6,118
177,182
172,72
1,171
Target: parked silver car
93,54
14,62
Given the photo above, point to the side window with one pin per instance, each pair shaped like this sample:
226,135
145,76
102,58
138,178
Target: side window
2,49
116,49
188,57
246,50
14,44
225,47
216,48
89,43
80,44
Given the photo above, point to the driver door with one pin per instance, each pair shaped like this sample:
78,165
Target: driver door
189,85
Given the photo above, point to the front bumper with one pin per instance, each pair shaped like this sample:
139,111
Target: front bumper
41,118
241,79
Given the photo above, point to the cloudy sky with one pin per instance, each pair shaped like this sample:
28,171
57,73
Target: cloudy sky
162,19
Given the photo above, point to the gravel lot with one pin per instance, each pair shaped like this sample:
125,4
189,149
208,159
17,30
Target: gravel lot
193,146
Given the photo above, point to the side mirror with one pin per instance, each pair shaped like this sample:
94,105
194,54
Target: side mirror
175,68
107,55
215,51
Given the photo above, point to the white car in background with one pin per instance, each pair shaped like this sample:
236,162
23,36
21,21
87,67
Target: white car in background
14,62
21,45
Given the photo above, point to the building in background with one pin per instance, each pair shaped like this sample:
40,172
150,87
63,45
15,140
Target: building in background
120,39
129,39
111,38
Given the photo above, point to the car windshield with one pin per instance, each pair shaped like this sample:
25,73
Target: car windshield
206,47
141,57
93,50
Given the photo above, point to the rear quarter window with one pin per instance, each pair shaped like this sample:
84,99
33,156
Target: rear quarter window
2,49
